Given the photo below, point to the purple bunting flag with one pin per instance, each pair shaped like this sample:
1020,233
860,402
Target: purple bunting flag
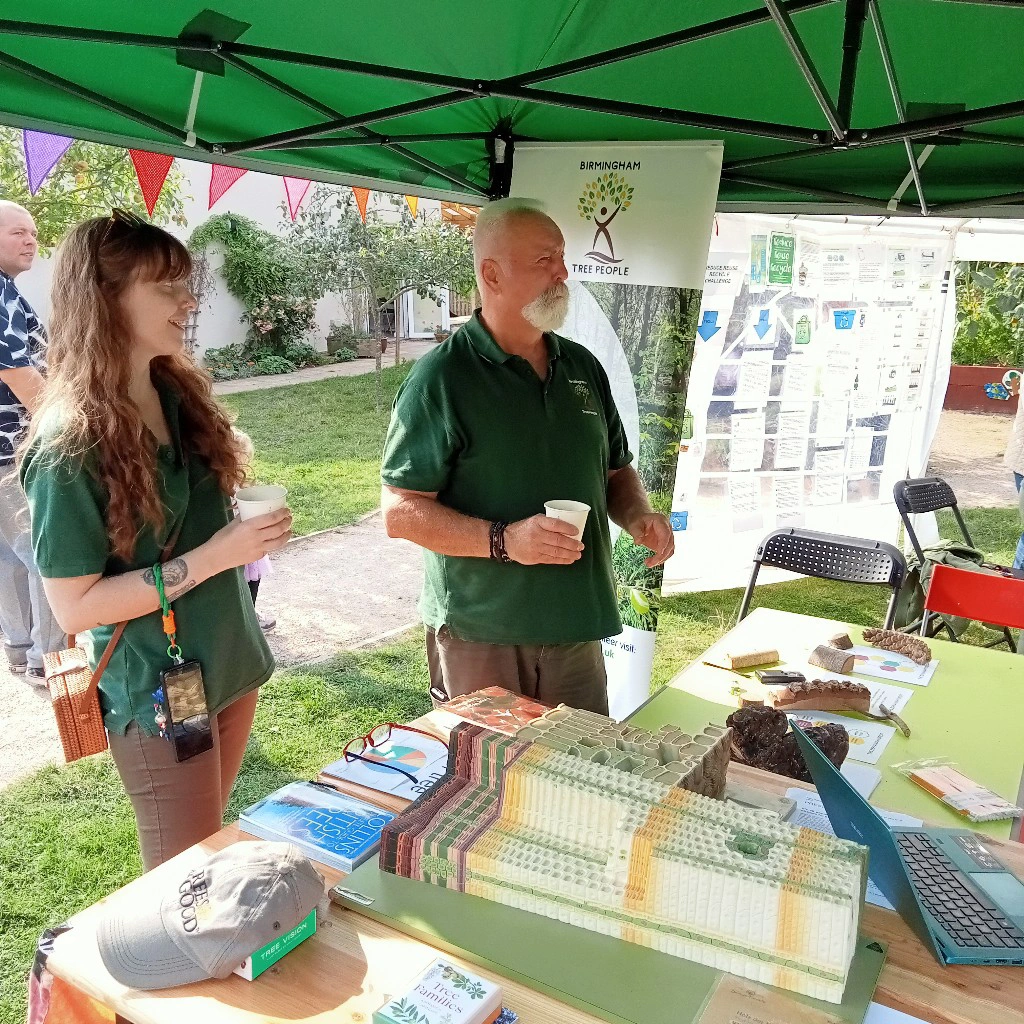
42,151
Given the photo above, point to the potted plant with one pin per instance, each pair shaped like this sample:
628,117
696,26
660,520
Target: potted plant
440,333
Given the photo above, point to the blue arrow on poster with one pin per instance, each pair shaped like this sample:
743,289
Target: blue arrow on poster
708,326
762,327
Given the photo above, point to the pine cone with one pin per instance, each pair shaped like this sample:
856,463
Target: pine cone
900,643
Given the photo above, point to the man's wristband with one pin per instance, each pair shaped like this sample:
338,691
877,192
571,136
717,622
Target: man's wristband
497,541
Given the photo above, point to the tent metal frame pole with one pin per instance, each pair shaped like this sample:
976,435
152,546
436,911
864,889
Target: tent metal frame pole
371,136
868,202
1009,199
389,141
776,158
81,92
803,59
281,140
897,98
671,39
853,39
785,133
938,124
992,140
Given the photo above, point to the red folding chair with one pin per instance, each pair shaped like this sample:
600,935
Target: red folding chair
981,596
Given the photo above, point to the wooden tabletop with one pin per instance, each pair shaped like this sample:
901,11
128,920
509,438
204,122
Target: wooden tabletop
352,964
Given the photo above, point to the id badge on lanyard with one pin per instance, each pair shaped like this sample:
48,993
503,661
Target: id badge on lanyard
179,703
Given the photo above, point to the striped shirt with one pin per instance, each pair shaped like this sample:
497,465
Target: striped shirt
22,344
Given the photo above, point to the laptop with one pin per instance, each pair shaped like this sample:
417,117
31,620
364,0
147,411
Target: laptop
944,882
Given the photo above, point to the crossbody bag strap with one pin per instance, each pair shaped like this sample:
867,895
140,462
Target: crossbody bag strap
97,675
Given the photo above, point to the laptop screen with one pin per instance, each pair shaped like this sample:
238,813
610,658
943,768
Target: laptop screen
855,819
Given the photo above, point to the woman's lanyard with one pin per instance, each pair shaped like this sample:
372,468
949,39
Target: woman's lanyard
170,629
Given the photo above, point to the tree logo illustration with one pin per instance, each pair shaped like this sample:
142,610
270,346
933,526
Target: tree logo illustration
601,201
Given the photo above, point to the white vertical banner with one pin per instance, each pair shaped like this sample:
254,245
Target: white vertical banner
637,218
816,384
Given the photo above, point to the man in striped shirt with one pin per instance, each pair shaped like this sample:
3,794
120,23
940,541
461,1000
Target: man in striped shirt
28,625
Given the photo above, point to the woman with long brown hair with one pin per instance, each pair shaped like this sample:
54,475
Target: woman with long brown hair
129,468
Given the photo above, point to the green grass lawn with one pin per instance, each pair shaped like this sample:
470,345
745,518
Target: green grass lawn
323,442
67,834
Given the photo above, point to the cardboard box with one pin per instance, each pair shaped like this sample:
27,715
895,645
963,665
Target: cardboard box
253,966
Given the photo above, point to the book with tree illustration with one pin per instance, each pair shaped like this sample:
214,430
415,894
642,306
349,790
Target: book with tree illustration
444,994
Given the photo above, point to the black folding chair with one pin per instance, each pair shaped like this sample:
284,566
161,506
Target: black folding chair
830,556
926,494
932,494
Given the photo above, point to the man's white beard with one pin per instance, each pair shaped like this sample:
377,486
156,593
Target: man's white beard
548,311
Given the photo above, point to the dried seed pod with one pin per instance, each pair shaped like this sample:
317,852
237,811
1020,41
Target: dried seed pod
900,643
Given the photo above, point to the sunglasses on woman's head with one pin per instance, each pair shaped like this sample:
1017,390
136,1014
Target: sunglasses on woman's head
124,220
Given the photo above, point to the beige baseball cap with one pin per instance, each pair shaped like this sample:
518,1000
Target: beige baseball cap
204,920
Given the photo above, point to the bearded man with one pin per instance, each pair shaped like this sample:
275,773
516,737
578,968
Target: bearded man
502,417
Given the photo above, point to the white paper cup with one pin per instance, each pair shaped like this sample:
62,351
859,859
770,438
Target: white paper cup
258,501
574,512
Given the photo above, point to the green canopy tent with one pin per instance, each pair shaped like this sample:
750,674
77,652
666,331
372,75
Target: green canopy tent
904,106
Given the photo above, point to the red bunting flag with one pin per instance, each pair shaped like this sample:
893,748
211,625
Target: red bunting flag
362,196
42,151
413,203
295,189
151,169
221,179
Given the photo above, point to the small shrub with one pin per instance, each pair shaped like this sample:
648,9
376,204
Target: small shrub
274,364
232,362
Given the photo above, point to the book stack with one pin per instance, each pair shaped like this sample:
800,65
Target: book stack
616,836
326,825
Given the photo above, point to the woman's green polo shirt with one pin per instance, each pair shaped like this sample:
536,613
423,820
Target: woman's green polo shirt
216,621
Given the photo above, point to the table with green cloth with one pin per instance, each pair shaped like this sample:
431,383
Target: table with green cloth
971,712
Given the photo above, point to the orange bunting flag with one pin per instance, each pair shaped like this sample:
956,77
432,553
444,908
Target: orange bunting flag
151,169
413,203
221,179
362,197
295,189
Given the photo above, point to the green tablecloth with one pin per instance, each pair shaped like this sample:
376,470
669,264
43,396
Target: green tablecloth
972,712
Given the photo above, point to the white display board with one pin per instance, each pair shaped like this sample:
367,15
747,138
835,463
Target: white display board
818,365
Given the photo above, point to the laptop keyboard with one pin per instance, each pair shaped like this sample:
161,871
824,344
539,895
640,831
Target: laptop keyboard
969,916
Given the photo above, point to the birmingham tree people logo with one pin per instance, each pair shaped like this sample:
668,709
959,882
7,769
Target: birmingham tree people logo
601,202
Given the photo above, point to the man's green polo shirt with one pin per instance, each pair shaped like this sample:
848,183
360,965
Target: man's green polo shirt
216,621
479,427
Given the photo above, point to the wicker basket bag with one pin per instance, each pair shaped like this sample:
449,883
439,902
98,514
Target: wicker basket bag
74,693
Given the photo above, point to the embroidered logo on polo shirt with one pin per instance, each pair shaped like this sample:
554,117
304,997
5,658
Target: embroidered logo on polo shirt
582,389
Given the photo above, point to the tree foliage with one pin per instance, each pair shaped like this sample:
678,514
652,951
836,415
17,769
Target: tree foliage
608,189
989,314
88,181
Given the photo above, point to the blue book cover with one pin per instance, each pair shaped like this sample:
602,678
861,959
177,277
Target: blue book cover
326,825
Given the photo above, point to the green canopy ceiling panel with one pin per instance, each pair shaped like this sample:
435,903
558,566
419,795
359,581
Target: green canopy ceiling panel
907,106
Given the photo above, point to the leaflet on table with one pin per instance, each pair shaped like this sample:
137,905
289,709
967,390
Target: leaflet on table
879,1014
867,739
810,813
870,661
418,755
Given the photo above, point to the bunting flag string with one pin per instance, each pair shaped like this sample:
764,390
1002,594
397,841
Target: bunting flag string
151,169
295,189
221,179
362,197
413,203
42,151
